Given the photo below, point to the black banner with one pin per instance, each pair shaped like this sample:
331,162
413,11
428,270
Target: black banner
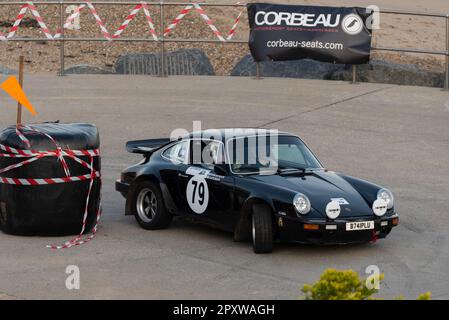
229,309
289,32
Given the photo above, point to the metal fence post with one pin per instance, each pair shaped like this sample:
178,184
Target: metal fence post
61,41
162,70
258,73
354,74
446,82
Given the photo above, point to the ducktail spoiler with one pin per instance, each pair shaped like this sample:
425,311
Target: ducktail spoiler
146,146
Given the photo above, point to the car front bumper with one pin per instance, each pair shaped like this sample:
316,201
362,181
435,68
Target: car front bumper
122,187
333,232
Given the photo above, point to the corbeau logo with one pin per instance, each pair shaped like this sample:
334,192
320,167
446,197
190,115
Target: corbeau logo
272,18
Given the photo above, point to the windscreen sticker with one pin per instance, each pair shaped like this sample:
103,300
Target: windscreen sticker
341,201
197,194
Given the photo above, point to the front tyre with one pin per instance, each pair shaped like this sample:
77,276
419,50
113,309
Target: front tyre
149,207
262,229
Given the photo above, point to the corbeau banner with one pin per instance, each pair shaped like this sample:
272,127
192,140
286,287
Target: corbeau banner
288,32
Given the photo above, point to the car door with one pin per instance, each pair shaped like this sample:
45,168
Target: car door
207,194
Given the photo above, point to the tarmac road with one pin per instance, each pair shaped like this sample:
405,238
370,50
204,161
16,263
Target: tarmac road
396,136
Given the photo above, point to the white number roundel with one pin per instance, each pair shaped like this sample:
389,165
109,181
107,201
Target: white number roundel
197,194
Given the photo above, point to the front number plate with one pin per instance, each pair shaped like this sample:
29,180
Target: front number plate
361,225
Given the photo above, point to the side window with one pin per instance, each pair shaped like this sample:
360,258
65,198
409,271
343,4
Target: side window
206,153
177,152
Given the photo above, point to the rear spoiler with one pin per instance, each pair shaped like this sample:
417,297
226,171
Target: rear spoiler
146,146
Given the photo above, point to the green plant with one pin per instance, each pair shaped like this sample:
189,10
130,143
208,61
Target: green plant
344,285
339,285
425,296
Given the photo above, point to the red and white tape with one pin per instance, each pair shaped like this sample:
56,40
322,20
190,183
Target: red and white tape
141,6
234,26
209,22
79,240
150,21
206,18
98,20
132,15
23,9
16,23
29,5
33,155
178,18
39,20
106,34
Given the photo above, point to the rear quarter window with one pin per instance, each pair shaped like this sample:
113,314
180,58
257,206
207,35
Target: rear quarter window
177,152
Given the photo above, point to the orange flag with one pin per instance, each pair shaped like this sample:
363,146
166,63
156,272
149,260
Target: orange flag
12,87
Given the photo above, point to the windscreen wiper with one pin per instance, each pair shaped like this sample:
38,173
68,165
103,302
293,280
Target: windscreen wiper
290,170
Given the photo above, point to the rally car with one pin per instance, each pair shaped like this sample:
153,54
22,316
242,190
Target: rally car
263,186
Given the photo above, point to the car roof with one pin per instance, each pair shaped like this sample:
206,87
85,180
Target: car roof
223,134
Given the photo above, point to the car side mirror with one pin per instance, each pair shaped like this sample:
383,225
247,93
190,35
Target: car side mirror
220,169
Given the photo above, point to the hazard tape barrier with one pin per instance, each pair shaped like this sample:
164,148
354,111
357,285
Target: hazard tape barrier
178,18
234,26
123,26
206,18
209,22
23,9
106,34
34,155
30,6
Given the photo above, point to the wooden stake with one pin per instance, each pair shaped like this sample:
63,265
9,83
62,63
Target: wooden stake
19,106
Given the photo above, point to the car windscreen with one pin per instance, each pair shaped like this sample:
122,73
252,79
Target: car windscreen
265,154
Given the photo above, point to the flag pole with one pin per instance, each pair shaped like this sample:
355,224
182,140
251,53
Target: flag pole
19,105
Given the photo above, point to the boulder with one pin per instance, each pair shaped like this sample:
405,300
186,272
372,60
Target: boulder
380,71
377,71
181,62
88,69
305,69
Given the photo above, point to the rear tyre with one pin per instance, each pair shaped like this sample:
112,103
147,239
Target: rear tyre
262,229
149,208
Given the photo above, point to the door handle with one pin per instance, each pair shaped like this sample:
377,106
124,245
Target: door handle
182,175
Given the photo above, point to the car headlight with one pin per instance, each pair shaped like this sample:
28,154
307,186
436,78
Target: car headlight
386,196
301,204
379,207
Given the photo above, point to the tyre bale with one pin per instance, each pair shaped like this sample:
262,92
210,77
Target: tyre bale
49,209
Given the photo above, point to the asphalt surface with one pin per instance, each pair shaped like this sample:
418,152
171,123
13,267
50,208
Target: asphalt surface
396,136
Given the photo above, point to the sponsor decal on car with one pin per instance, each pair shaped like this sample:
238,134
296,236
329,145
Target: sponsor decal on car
194,171
341,201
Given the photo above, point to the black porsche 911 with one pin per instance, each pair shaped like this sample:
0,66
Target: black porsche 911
262,185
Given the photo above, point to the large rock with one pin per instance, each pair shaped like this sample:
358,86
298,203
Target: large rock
181,62
88,69
306,69
380,71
